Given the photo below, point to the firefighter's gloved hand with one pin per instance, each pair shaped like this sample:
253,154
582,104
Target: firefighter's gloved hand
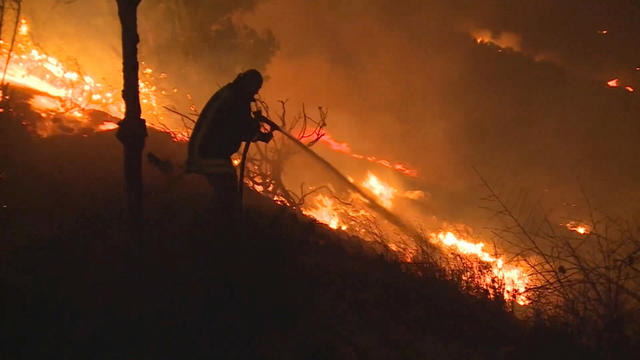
265,137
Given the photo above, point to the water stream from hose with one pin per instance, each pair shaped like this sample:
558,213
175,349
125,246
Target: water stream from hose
372,202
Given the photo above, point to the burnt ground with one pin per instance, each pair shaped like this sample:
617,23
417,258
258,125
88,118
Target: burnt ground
74,287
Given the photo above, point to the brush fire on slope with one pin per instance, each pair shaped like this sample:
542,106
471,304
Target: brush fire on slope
66,99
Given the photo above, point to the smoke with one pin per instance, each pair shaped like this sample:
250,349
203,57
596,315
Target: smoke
409,81
200,45
505,40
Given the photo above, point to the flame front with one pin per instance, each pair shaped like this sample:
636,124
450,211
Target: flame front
515,280
69,95
345,148
325,210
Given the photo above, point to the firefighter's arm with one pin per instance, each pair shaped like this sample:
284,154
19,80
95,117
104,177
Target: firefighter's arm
264,137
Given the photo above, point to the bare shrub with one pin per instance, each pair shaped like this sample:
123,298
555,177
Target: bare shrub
265,162
588,282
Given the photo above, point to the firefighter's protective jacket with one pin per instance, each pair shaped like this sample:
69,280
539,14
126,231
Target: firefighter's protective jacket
223,124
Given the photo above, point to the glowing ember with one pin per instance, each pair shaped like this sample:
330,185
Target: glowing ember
514,279
582,229
603,32
629,89
329,211
405,253
613,82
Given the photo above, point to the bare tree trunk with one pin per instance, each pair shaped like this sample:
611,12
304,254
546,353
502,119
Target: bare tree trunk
13,42
2,3
132,130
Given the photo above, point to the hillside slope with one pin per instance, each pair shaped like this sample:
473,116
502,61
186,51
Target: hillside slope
284,287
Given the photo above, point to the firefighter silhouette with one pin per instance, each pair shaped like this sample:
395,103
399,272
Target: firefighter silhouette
224,123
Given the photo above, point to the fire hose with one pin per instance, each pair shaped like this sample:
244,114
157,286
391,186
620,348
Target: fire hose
258,115
391,217
272,127
372,202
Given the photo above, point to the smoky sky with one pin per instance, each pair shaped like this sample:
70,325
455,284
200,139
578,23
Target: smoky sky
198,43
406,80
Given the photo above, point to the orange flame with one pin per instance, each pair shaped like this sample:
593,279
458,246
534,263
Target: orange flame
383,191
335,145
23,28
107,125
345,148
413,194
66,93
514,279
324,209
582,229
